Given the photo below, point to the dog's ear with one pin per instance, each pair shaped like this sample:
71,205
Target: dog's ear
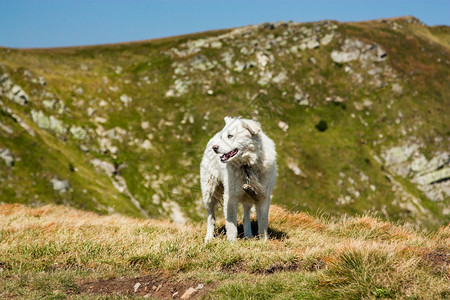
252,126
227,120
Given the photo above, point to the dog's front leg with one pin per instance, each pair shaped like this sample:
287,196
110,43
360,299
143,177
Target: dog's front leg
262,214
230,212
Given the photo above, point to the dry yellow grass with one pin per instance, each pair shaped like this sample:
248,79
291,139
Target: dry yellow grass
53,248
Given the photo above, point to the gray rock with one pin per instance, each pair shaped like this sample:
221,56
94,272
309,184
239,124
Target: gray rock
200,43
239,66
126,99
49,104
353,49
398,155
265,78
5,83
57,125
440,160
200,62
341,57
301,97
18,95
79,91
433,177
11,91
396,158
380,53
419,164
61,107
227,58
60,186
397,88
7,156
42,81
50,123
365,104
262,59
312,44
136,286
293,166
283,125
105,166
280,78
18,119
437,191
245,51
180,87
294,49
327,39
118,70
216,45
335,99
41,120
78,133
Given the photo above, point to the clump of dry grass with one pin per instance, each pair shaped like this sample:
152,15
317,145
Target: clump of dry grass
348,258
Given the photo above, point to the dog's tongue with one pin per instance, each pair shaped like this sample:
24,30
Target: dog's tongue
227,156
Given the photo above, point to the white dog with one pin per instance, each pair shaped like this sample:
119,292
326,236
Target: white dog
239,165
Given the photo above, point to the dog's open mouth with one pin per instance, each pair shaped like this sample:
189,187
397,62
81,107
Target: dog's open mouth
228,155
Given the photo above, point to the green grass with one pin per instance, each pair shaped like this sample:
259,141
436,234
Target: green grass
49,252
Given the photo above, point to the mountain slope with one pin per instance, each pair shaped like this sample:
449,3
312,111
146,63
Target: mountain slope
358,112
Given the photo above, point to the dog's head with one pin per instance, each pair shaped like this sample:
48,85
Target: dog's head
238,141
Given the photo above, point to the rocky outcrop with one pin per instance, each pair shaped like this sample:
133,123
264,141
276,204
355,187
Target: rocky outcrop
22,123
353,49
250,53
61,186
431,176
118,181
78,133
12,91
7,156
49,123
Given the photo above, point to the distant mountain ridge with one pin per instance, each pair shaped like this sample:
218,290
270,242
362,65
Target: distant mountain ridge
358,111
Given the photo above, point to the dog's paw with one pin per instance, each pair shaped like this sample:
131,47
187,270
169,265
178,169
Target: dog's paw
208,238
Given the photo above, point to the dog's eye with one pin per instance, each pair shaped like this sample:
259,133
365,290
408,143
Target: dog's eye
230,136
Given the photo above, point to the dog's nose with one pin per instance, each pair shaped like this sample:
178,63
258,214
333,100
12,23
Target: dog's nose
216,148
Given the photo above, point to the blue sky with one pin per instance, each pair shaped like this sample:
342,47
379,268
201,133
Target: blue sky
55,23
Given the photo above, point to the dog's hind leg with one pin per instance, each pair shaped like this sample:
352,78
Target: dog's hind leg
247,221
211,221
209,200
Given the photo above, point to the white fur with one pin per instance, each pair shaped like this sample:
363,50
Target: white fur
222,181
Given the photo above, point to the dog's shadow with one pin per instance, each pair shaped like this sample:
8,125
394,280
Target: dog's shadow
273,234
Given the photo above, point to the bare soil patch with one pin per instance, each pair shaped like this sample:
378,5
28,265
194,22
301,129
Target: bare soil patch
438,257
156,285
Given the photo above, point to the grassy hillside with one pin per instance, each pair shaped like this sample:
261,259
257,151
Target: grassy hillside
358,112
55,251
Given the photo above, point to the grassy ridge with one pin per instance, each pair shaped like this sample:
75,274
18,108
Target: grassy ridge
51,251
